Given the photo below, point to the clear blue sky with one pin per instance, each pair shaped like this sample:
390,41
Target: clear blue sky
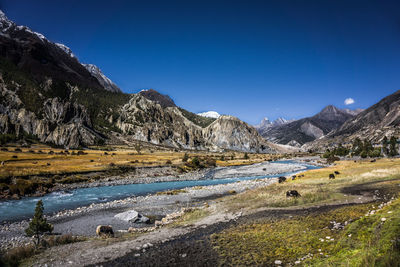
245,58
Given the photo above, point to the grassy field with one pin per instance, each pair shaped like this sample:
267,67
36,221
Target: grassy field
37,169
367,234
40,159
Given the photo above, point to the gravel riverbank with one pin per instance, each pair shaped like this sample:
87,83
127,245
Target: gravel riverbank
83,220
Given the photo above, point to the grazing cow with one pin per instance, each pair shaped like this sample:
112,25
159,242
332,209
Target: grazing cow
105,230
336,172
374,160
331,176
292,193
282,179
293,177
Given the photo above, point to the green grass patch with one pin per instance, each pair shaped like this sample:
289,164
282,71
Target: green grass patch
191,217
287,240
371,241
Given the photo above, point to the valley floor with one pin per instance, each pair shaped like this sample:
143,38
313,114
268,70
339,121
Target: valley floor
353,220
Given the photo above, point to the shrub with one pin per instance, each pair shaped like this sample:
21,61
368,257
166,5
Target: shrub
185,157
246,156
168,162
14,256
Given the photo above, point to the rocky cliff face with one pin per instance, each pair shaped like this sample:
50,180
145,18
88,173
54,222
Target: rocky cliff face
229,132
148,121
61,122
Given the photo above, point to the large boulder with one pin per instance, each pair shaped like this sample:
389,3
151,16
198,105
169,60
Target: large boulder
132,216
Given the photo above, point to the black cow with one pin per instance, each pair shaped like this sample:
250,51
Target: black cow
282,179
331,176
336,172
292,193
293,177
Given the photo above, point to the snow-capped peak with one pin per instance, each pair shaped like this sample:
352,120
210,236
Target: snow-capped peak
103,80
5,23
280,121
3,16
66,49
210,114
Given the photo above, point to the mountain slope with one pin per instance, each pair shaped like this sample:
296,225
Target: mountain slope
104,81
374,123
266,125
47,93
308,129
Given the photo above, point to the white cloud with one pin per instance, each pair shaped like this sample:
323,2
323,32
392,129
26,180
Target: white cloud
349,101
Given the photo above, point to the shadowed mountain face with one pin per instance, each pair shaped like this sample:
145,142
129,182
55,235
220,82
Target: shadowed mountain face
47,93
305,130
153,95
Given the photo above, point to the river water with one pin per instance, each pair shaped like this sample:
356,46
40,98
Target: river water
12,210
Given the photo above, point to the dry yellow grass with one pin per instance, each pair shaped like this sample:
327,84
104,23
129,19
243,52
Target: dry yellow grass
28,163
316,187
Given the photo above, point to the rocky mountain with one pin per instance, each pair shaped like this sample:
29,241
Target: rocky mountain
305,130
47,94
153,95
265,124
374,123
104,81
210,114
229,132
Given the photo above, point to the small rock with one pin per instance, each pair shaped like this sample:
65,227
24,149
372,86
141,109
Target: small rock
183,255
278,262
383,219
297,262
137,255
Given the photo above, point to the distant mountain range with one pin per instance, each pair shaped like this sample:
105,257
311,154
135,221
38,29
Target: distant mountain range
299,132
46,93
374,123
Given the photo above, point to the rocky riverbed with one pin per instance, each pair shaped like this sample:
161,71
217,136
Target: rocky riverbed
83,220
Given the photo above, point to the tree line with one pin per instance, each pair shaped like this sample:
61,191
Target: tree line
365,148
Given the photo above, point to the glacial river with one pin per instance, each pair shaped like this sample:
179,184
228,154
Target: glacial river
11,210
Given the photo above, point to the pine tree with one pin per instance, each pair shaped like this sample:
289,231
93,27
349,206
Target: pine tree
39,224
392,146
385,149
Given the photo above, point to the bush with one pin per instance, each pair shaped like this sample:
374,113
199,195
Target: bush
185,157
246,156
168,162
376,153
14,256
196,162
23,187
